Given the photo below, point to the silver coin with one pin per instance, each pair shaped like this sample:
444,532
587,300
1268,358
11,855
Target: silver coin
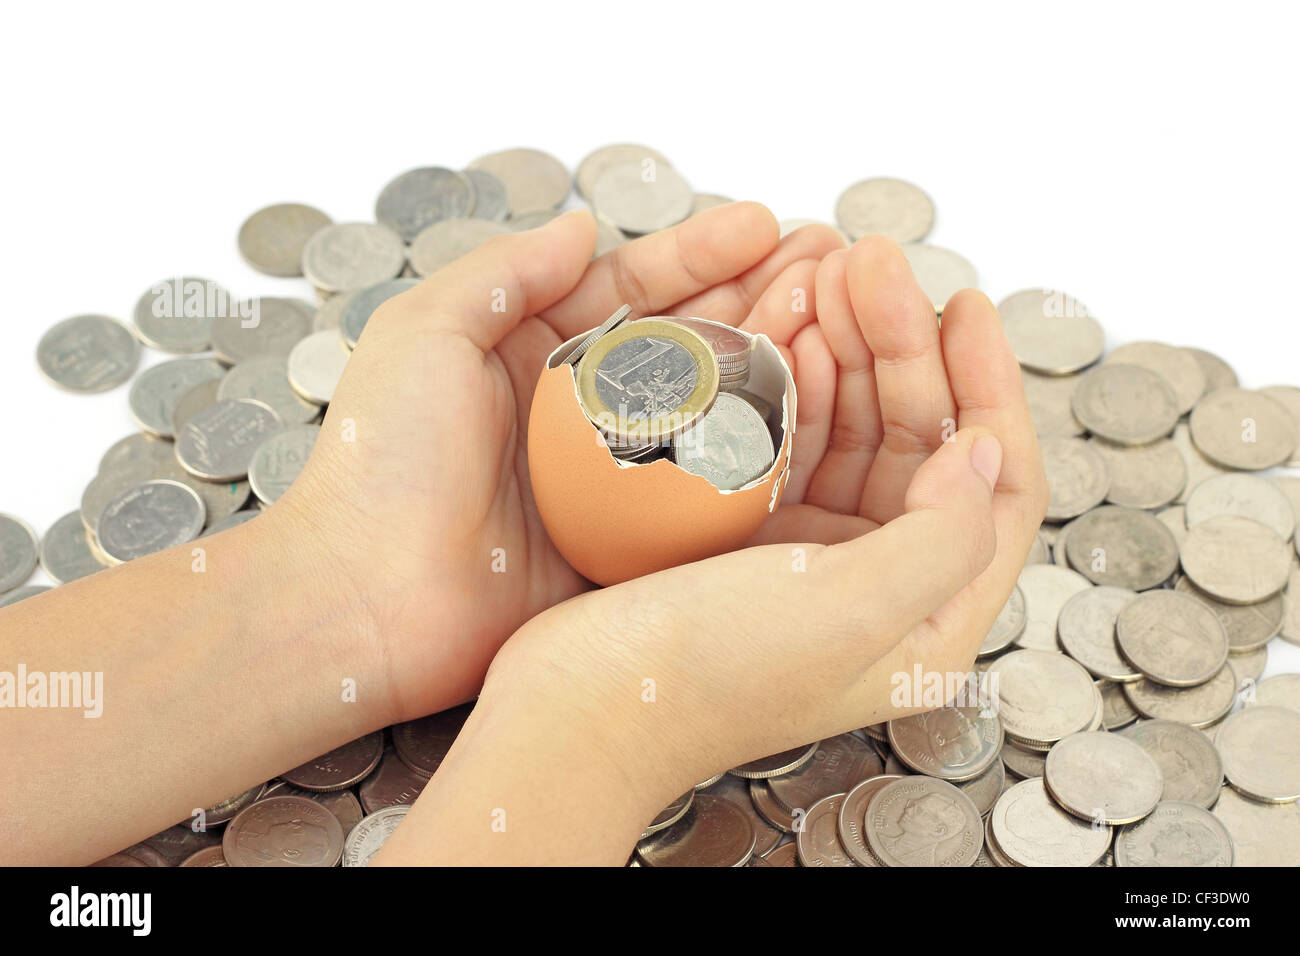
134,449
1086,629
985,789
1236,560
817,841
21,594
1077,478
1175,834
1288,396
1116,711
279,460
1143,476
418,198
316,365
941,273
218,443
1046,588
1103,777
533,220
1049,398
491,200
1246,496
194,401
1198,706
1250,665
1199,468
712,832
837,765
150,517
785,855
1051,332
1040,551
1189,763
886,207
1280,690
220,499
851,824
638,197
156,391
599,160
534,180
768,808
787,761
1260,747
175,315
330,314
1238,428
271,240
364,303
1178,367
272,326
368,837
1171,638
609,325
1175,519
1059,545
266,380
1031,830
951,743
19,551
1248,626
352,255
1127,404
1291,609
921,821
1123,547
88,353
125,465
670,814
1043,696
65,550
444,242
766,836
730,446
1263,834
1007,626
1217,372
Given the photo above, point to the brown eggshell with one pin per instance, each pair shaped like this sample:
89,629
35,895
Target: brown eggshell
613,521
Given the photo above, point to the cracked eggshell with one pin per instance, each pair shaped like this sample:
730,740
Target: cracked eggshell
614,521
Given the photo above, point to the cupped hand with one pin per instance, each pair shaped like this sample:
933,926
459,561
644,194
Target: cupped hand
418,487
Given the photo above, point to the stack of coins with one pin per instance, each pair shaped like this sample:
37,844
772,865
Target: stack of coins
1127,721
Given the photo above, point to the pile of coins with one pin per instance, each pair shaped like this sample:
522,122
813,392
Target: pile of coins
1127,723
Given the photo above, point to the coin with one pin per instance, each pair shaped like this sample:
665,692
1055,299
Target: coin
1046,588
851,824
1250,665
1175,834
220,499
341,767
352,255
227,809
1175,519
1007,626
922,821
175,315
341,803
1263,834
1248,626
279,460
1051,332
369,835
273,326
1116,712
65,552
1238,428
1189,763
1178,367
941,273
271,240
364,303
836,765
1031,830
418,198
1077,478
1043,696
731,347
19,552
1123,547
283,831
670,814
157,390
392,784
1171,638
817,841
330,313
985,789
712,832
1103,777
180,842
886,207
1288,396
730,446
1199,467
1143,476
596,162
209,856
491,200
532,220
218,443
951,743
1245,496
769,809
574,355
150,517
1260,746
785,855
1086,629
88,353
266,380
1049,398
1039,551
194,401
534,180
316,365
787,761
1291,609
1236,560
1217,372
444,242
423,744
1199,706
639,197
735,789
1280,690
1127,404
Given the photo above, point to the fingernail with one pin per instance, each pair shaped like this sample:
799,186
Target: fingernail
986,458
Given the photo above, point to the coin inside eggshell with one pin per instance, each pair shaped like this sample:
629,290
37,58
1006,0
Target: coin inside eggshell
613,519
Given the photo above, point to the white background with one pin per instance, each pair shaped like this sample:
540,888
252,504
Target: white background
1141,157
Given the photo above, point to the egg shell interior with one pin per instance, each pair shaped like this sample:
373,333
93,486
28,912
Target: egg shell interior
615,520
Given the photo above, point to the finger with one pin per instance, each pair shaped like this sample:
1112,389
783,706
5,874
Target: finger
655,271
484,295
731,302
787,305
855,431
815,384
899,326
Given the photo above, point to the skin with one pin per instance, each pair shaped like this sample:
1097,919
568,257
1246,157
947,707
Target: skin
375,569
